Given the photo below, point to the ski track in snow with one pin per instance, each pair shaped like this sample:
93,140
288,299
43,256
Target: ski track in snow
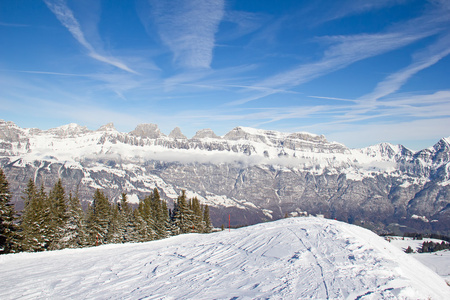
297,258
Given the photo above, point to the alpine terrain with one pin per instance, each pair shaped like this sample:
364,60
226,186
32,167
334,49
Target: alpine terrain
251,174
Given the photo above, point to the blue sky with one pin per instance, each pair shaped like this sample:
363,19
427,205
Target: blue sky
359,72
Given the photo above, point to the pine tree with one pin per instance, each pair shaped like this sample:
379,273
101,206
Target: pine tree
45,219
197,215
58,215
177,214
144,222
147,213
37,232
126,220
160,218
166,219
98,219
207,220
55,222
115,229
8,229
141,230
73,233
32,220
88,221
182,215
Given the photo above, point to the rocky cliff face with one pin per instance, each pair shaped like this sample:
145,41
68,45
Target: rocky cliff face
253,174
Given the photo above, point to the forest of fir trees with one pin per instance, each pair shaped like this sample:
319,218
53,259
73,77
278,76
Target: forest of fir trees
55,220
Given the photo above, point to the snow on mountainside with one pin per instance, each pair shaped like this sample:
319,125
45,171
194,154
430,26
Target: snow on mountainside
71,143
253,173
296,258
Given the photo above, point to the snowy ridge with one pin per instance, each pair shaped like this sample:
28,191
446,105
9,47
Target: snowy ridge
69,130
264,173
296,258
72,143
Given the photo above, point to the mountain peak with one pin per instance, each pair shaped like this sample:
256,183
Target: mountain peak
248,133
9,131
71,129
306,136
177,134
205,133
107,127
444,142
7,123
150,131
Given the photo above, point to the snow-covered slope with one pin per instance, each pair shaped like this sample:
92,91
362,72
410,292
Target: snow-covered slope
296,258
437,261
257,174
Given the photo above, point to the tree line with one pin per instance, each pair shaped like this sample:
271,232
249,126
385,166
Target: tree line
421,236
55,220
434,246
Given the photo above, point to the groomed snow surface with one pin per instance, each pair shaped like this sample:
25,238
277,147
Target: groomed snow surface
296,258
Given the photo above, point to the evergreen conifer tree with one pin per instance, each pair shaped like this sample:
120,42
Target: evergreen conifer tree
98,219
115,227
126,220
183,216
58,215
88,221
32,219
141,228
73,233
177,214
36,219
159,217
47,231
197,215
144,222
207,220
8,229
166,218
54,221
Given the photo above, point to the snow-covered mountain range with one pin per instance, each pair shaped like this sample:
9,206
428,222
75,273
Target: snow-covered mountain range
253,174
295,258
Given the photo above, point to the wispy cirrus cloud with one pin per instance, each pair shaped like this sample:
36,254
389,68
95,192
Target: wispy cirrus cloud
243,23
346,50
333,98
415,106
327,118
12,24
337,10
394,110
53,73
65,15
421,60
382,101
188,28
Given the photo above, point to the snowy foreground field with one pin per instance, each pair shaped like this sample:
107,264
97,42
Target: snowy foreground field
293,258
